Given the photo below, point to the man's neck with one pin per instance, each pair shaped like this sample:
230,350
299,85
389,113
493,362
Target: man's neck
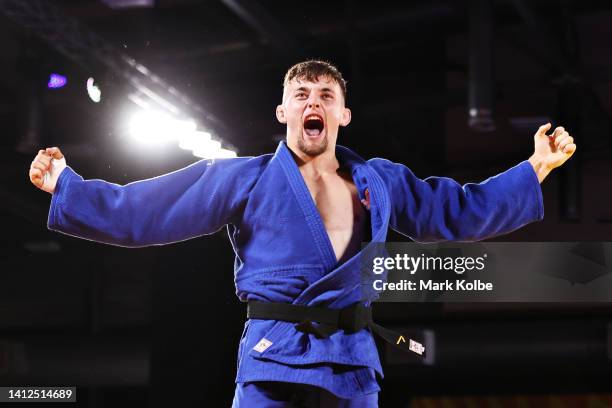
316,166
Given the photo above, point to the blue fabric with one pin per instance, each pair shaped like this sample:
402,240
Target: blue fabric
283,252
288,395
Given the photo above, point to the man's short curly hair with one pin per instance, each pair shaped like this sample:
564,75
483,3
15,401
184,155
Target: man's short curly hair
311,70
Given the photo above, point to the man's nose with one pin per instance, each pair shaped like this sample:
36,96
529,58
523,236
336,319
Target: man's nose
313,103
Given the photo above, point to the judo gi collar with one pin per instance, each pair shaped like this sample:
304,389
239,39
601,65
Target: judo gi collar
364,178
346,157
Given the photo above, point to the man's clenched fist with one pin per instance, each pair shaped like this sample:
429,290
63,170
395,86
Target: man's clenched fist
551,151
46,168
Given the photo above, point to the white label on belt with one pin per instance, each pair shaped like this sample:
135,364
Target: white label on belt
416,347
262,345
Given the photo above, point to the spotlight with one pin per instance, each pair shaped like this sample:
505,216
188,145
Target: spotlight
194,140
201,144
156,127
153,127
225,153
213,150
208,150
56,81
93,91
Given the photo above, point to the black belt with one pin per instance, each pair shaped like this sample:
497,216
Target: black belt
350,319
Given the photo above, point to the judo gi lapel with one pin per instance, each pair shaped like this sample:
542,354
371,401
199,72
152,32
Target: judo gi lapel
340,279
311,213
342,286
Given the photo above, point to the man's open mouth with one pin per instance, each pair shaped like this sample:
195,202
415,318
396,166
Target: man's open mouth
313,125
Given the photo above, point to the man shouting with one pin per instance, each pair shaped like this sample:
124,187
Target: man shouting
296,219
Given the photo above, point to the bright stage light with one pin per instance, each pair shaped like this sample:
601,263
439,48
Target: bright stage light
194,140
207,150
202,146
225,153
157,127
93,91
154,128
56,81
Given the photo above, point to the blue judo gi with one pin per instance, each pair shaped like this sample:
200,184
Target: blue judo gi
283,252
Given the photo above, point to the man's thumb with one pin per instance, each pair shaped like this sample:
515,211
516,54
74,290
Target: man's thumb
54,152
543,129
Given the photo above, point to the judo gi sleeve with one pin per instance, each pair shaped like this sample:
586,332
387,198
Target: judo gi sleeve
440,209
196,200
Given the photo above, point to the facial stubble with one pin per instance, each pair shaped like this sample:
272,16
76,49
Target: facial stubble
312,149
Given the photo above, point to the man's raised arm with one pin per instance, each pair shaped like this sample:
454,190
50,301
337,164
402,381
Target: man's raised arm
196,200
440,209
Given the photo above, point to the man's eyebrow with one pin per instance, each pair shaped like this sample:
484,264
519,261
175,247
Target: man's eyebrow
323,90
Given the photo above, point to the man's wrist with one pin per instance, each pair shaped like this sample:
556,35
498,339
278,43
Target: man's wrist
540,168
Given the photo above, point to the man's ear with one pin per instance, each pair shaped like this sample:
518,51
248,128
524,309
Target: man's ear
280,114
346,117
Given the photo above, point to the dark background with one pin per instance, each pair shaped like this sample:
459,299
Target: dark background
160,326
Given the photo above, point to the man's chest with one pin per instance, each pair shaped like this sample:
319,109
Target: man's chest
336,198
341,211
